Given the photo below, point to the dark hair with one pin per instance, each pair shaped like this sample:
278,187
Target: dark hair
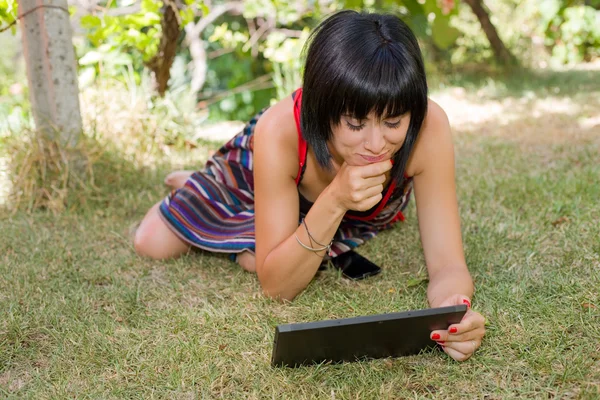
357,63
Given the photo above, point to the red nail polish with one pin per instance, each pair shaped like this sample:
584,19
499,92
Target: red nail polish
441,342
453,330
435,336
467,302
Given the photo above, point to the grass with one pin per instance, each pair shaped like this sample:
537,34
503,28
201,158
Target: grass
81,316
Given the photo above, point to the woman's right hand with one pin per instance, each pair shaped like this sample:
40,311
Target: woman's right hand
359,187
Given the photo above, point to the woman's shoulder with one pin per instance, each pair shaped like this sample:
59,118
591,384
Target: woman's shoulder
278,122
435,136
277,135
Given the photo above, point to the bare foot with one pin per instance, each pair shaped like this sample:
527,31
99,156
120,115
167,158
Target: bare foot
177,179
247,260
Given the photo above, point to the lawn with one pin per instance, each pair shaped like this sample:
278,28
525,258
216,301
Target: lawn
81,316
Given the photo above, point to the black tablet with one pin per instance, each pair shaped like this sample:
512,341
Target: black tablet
351,339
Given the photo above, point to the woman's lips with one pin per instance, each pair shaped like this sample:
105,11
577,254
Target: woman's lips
374,159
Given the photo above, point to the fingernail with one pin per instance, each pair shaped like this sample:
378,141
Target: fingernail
441,342
435,336
467,302
453,330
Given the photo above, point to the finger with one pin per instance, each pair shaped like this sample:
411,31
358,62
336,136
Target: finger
373,181
456,354
365,195
445,335
469,335
373,191
369,202
466,347
472,321
375,169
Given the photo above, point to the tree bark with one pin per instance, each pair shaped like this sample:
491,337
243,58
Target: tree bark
51,69
501,52
161,63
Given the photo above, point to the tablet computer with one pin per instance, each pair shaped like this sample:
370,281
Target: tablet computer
367,337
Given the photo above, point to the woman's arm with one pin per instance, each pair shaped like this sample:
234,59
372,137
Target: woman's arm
437,209
283,267
435,191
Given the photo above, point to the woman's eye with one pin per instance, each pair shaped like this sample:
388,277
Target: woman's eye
393,124
355,127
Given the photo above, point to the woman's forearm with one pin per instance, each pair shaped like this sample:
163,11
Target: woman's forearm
449,282
289,267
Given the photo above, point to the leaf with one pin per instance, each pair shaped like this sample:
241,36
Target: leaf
87,76
90,21
118,58
416,281
91,57
204,8
443,34
561,220
418,23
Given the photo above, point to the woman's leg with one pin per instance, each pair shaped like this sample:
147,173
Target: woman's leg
247,261
177,179
154,239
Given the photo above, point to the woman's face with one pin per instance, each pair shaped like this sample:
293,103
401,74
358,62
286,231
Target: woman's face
362,142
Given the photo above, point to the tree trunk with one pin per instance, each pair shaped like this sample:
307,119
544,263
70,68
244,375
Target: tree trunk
51,69
502,54
161,63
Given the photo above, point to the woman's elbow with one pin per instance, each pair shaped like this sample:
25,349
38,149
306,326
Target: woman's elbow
271,290
278,295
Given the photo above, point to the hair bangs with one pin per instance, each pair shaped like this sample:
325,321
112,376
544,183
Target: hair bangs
379,87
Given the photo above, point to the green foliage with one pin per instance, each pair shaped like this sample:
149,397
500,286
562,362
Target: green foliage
287,66
538,32
572,32
132,39
8,13
117,41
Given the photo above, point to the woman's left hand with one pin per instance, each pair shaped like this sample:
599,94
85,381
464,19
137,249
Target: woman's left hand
461,340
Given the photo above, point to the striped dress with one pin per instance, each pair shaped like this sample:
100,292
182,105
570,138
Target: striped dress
214,210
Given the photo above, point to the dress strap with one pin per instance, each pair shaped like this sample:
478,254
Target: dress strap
302,146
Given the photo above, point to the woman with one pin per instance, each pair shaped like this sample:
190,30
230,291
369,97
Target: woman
327,168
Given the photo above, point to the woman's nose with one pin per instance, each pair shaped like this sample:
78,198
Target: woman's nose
375,142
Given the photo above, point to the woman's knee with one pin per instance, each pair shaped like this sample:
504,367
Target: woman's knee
154,239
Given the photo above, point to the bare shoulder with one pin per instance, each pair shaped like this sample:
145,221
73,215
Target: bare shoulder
276,135
435,140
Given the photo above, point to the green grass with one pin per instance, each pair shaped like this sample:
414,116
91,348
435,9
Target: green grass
81,316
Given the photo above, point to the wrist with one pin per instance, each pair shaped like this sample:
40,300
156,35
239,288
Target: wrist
450,287
329,197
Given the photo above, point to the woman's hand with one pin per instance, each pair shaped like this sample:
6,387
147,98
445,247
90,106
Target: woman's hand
461,340
359,187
